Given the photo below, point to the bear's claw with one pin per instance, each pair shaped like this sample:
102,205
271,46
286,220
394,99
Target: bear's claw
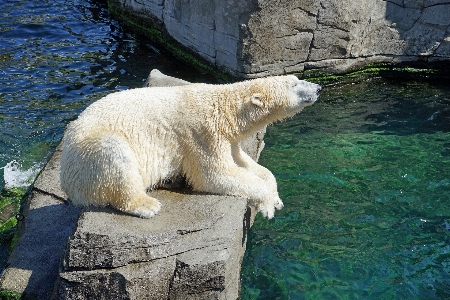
144,213
266,213
146,207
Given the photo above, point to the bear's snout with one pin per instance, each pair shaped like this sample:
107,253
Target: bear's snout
309,93
315,88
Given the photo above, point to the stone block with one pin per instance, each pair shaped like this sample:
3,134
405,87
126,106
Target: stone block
146,8
48,182
105,238
197,252
134,281
437,15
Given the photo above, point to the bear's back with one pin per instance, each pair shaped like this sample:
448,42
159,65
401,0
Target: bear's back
134,107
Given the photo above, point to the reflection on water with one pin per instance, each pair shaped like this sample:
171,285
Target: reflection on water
365,177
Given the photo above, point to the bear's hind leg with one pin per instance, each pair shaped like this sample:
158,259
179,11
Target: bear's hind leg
121,183
132,197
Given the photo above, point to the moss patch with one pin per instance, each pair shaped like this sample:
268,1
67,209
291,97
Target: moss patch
10,202
9,295
376,70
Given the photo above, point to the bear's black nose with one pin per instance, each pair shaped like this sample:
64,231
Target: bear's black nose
319,88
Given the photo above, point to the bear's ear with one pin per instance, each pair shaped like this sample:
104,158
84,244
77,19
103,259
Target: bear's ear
256,100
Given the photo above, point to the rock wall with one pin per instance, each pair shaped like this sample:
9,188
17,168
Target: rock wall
266,37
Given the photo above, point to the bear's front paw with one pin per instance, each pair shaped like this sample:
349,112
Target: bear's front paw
278,204
268,211
267,205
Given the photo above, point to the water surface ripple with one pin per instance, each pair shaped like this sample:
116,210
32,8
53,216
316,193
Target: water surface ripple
56,57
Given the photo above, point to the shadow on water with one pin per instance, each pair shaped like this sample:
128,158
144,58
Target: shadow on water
413,108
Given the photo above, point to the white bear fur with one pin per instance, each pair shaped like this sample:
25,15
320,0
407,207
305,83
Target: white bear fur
130,141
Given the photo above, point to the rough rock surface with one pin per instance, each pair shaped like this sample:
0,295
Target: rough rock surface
268,37
191,250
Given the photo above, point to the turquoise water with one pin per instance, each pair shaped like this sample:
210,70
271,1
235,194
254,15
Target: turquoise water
364,172
365,177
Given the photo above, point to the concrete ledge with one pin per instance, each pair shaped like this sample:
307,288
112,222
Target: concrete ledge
49,221
192,249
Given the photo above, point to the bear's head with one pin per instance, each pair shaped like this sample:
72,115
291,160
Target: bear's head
304,93
248,106
285,93
278,97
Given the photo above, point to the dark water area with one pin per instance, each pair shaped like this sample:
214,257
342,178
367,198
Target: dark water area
364,173
56,57
365,177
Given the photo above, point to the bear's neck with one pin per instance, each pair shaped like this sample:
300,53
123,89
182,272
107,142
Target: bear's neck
235,119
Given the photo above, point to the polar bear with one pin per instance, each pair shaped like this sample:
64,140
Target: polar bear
132,140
